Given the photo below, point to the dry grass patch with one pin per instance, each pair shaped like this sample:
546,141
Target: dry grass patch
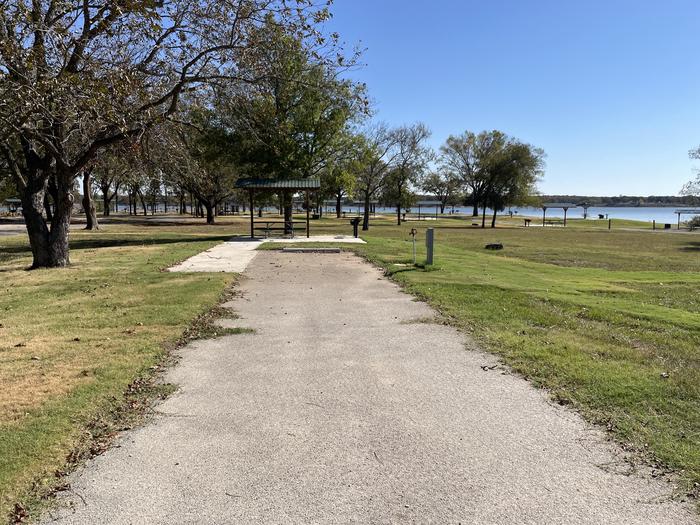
72,340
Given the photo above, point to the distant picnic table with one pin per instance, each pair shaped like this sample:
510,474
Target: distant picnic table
274,225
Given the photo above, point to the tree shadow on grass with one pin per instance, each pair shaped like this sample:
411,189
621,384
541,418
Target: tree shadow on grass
143,220
691,247
10,253
394,271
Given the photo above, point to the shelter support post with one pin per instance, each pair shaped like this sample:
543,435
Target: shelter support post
252,218
307,214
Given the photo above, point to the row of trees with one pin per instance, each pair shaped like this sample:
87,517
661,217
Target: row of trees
289,123
139,96
488,169
78,79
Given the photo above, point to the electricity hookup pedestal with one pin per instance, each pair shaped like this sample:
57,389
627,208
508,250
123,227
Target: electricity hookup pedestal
429,237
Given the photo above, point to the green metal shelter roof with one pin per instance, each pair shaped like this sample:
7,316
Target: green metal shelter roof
559,205
278,184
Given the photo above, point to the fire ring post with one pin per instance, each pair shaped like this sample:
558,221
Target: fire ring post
413,235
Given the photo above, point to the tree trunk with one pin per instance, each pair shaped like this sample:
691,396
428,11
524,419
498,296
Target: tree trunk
89,203
288,226
105,202
37,229
47,207
475,209
338,199
483,216
365,215
143,204
493,219
442,208
49,247
210,212
52,190
59,249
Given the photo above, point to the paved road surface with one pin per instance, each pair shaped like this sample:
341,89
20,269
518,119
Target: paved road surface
12,229
347,407
236,254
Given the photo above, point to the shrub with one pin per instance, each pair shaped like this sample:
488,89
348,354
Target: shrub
694,223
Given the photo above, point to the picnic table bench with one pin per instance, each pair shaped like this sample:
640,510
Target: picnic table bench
277,225
555,222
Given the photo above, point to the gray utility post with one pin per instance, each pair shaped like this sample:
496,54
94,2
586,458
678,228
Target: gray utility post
429,237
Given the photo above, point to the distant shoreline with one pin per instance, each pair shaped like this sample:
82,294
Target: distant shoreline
626,201
647,205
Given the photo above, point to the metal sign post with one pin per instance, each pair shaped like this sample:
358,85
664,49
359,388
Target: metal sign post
429,237
413,234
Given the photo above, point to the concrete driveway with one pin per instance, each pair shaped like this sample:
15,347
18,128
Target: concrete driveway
347,405
7,229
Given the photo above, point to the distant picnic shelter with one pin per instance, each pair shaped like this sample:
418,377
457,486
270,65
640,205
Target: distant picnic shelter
691,211
557,205
278,186
12,205
429,204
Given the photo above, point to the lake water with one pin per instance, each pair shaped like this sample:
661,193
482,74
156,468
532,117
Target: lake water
648,214
659,214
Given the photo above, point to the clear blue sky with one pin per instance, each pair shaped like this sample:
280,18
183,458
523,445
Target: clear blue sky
610,89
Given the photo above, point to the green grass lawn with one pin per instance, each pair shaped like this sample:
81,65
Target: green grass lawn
72,340
608,321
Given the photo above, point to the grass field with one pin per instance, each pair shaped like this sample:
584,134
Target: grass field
72,340
609,321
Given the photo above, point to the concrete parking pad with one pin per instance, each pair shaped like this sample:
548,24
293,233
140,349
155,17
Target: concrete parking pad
348,404
236,254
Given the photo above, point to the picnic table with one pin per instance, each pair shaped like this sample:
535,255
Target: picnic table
278,225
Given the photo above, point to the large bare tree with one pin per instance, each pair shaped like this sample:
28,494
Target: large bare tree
374,164
445,185
197,157
110,173
78,76
411,158
468,156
